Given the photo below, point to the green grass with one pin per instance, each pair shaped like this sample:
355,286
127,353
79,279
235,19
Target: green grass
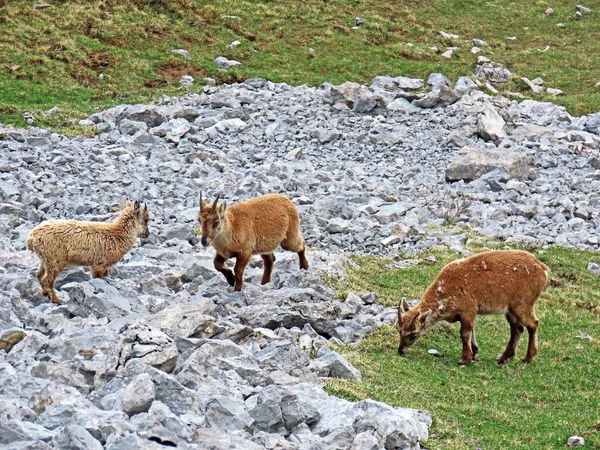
534,406
55,56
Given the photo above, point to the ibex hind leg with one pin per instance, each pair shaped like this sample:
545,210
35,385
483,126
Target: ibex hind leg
51,274
296,244
527,318
516,329
99,272
268,261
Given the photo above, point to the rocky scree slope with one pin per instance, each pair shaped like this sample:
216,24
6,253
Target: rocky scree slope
162,353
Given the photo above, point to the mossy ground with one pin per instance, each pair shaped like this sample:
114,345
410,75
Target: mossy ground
86,55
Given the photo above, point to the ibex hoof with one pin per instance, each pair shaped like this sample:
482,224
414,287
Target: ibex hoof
464,362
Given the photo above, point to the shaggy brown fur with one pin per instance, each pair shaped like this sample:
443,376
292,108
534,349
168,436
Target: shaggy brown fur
255,227
496,282
59,243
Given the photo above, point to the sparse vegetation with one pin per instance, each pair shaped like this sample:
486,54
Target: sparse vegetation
533,406
81,56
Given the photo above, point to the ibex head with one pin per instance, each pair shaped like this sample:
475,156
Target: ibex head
141,218
410,325
212,219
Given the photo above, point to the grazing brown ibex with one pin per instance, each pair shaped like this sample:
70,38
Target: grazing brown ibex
59,243
255,227
495,282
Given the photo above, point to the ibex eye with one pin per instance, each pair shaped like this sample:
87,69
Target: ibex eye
215,225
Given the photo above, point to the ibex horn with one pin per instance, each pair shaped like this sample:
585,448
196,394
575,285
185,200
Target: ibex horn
214,206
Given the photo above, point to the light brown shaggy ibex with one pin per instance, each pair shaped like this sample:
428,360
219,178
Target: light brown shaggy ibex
255,227
495,282
59,243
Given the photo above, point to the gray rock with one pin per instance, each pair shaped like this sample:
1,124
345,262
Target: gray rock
491,125
365,101
345,92
365,441
331,364
138,396
493,72
75,437
227,414
576,441
464,85
150,115
225,63
436,80
594,268
470,163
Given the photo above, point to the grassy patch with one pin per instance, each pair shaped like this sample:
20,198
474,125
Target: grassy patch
81,56
534,406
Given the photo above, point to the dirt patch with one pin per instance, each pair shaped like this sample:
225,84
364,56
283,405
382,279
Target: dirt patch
99,60
173,71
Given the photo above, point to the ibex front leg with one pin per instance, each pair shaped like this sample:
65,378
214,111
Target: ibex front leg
241,262
219,262
466,328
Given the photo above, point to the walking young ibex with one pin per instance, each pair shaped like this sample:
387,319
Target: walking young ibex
495,282
59,243
255,227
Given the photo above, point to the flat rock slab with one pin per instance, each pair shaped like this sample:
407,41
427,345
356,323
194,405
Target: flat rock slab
471,162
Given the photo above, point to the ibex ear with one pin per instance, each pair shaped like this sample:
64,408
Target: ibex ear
404,305
202,202
136,206
424,316
222,208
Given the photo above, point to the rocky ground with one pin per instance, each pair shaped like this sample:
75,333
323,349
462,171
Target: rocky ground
163,353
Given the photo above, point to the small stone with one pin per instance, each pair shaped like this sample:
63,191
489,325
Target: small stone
294,154
594,268
475,50
29,118
554,92
577,15
583,9
585,337
549,11
225,63
434,352
359,21
182,52
186,81
234,44
491,88
449,35
575,441
390,240
561,25
447,54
